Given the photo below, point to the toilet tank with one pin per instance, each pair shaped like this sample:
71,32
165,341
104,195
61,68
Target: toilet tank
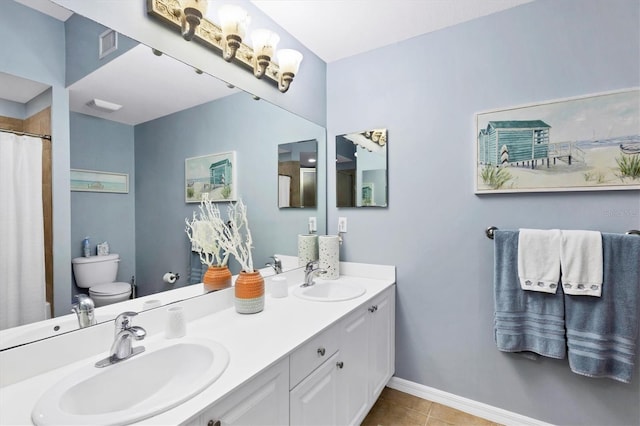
93,270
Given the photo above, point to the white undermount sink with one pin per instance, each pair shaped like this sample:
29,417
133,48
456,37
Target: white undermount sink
330,291
134,389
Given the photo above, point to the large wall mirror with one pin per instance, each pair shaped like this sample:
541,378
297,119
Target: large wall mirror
361,169
169,112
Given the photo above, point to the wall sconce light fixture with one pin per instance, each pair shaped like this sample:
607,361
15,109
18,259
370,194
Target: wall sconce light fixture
189,17
192,12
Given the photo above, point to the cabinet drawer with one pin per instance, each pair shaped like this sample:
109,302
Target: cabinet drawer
311,355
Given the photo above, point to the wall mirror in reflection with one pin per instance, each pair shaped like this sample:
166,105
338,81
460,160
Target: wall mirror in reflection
361,169
297,162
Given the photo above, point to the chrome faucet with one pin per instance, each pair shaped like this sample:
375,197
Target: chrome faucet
309,272
84,309
276,265
121,348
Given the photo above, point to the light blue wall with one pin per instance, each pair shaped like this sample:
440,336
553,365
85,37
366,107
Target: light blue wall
24,111
32,47
130,18
253,129
13,109
426,91
98,144
37,104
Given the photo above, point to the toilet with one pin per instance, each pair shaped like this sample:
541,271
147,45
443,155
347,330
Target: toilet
98,274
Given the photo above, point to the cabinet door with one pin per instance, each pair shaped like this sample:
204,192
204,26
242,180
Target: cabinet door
314,400
262,401
382,341
353,394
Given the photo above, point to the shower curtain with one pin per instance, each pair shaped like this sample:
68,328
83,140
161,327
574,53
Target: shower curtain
22,274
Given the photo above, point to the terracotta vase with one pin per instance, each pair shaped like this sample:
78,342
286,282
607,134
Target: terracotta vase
216,278
249,292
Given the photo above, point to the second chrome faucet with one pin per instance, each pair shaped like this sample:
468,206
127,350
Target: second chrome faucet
125,334
309,273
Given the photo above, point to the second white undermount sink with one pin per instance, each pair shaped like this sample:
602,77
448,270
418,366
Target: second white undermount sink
330,291
134,389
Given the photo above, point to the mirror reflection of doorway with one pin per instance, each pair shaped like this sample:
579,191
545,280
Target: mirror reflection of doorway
346,184
308,187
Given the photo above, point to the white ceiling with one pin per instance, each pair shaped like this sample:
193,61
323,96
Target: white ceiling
18,89
148,87
336,29
333,29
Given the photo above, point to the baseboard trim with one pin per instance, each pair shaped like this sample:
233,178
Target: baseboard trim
470,406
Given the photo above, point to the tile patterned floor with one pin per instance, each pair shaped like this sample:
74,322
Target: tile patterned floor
395,408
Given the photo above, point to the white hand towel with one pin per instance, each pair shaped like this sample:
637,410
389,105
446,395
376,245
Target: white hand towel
539,259
581,263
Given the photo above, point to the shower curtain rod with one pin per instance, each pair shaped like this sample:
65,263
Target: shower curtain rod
489,232
26,134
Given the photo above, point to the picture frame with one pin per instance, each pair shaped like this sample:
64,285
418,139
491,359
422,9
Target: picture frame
212,174
368,195
584,143
98,181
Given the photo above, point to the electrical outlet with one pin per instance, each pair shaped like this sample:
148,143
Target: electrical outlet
313,224
342,224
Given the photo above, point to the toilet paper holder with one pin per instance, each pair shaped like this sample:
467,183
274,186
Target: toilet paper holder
171,277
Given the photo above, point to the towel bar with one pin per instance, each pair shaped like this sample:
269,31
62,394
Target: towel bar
489,232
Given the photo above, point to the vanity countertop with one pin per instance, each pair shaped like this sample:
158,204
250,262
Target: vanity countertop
254,342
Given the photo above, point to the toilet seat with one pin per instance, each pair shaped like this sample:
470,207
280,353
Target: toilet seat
110,289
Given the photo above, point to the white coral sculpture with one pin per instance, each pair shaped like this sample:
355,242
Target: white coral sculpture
204,232
236,238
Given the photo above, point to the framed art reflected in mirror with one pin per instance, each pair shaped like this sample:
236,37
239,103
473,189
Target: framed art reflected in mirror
213,175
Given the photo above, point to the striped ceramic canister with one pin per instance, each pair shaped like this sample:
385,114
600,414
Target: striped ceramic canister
249,293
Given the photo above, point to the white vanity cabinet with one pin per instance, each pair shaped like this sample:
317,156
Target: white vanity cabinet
382,341
314,401
342,389
262,401
334,378
314,380
367,354
300,362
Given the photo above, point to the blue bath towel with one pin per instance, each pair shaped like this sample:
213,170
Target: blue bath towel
602,331
524,321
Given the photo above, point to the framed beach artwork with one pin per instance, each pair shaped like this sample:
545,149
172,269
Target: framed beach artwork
367,194
585,143
213,174
97,181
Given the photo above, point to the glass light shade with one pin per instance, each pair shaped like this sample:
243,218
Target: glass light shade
233,20
289,60
264,42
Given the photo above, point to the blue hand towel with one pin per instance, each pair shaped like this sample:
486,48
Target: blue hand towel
197,268
524,320
602,332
